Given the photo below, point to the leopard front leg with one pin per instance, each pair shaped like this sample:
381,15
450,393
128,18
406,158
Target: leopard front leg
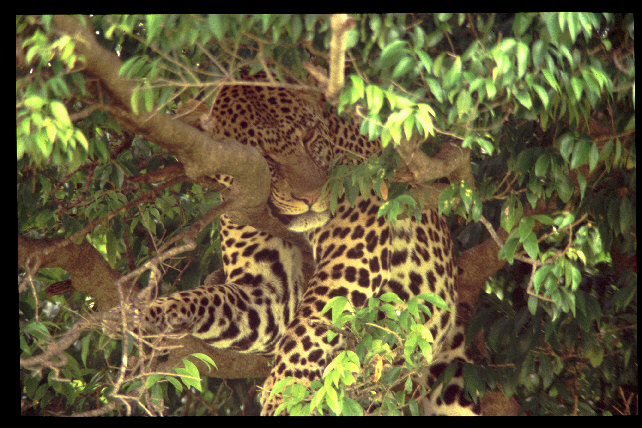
225,316
249,312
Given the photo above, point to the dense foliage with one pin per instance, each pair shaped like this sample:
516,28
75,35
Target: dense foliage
545,101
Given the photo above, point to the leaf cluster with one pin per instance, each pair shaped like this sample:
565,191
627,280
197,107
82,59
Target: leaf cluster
392,343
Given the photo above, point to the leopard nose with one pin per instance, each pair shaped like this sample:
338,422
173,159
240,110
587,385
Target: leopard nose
310,197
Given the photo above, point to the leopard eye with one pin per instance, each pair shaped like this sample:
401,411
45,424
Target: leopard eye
317,147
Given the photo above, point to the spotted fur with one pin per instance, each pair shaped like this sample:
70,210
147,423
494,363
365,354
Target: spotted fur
264,306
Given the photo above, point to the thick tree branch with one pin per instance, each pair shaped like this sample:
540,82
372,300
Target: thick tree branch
197,151
452,161
89,271
230,364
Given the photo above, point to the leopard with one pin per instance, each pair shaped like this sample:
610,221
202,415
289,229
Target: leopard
265,306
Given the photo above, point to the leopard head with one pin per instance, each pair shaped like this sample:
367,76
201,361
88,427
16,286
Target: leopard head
291,132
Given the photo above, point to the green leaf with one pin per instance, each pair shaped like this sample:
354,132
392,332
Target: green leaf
409,348
453,75
543,95
511,213
351,190
626,215
595,354
189,375
425,60
541,274
392,53
522,58
358,85
486,145
152,379
352,38
44,144
126,69
135,100
544,219
542,164
538,52
80,137
566,145
434,299
551,80
217,26
447,199
524,99
507,252
564,220
332,399
623,296
552,25
507,45
408,126
578,88
404,65
434,38
521,23
280,386
390,297
532,304
573,24
59,111
337,304
351,407
564,187
525,228
374,96
572,275
435,89
34,102
580,153
317,399
148,99
424,116
594,156
491,90
464,103
531,245
466,193
413,407
205,358
581,182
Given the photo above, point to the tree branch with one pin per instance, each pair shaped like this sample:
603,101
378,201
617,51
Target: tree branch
340,24
89,271
199,153
452,161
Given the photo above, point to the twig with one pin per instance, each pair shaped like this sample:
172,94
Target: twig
491,231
